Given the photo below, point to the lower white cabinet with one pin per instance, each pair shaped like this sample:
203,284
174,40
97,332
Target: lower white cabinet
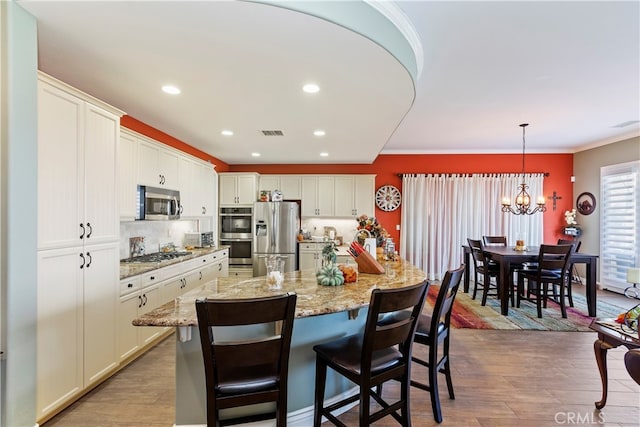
141,294
77,317
310,255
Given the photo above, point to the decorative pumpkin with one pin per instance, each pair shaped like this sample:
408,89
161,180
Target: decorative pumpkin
330,275
350,274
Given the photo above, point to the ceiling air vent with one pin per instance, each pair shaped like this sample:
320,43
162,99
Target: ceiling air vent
272,133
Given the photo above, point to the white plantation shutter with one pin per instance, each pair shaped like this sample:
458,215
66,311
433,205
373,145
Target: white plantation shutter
619,223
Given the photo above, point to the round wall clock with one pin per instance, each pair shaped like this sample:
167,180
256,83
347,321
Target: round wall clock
388,198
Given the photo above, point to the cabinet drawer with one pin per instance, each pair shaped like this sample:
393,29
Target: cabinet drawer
129,285
222,254
150,278
172,271
310,247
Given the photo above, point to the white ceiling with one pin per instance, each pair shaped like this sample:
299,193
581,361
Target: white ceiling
570,69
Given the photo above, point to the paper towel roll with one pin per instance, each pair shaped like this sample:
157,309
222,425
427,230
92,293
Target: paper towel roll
370,246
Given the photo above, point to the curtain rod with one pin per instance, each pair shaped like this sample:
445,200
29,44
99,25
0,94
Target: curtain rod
546,174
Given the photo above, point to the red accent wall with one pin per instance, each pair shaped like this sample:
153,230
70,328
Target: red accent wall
386,167
140,127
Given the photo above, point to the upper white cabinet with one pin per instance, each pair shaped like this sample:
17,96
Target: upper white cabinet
127,164
354,195
237,188
157,166
317,195
77,168
290,185
144,161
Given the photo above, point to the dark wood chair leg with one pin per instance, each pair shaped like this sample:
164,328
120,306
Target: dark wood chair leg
447,368
321,376
433,384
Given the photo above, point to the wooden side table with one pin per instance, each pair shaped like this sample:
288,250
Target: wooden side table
608,338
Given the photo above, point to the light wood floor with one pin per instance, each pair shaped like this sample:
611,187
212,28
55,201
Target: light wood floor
500,378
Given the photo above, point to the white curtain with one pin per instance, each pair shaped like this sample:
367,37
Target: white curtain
439,213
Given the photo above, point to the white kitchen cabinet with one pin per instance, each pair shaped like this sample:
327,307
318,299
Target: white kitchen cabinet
78,242
237,188
77,318
354,195
205,186
77,168
157,166
290,185
310,255
127,164
317,195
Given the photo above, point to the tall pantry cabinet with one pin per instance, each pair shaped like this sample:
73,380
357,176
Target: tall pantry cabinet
78,242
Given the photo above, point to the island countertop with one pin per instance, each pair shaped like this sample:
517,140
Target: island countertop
313,299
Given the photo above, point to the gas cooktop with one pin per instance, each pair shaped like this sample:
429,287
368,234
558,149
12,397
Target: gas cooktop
155,257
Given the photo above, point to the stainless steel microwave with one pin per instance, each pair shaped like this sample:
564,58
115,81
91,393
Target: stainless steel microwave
157,203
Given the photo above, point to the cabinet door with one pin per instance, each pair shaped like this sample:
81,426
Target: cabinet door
325,196
101,289
206,187
309,200
247,193
344,196
101,212
227,191
269,182
308,260
148,164
128,340
60,167
59,336
127,161
187,184
364,193
168,168
149,299
171,289
291,187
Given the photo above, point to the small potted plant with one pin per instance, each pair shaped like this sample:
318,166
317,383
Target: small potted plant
572,228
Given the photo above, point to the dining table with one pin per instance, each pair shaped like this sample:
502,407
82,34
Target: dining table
507,257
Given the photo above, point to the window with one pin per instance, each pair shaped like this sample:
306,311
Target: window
619,223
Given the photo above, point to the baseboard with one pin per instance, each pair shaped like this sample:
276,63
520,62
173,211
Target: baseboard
300,418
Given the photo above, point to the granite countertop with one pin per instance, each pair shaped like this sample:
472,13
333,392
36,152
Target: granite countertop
134,269
313,299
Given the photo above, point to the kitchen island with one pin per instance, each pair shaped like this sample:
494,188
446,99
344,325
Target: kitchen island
323,313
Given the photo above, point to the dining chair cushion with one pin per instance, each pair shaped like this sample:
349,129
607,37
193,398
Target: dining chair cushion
247,386
347,352
424,324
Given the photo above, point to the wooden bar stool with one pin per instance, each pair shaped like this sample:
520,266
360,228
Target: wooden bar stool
380,354
250,370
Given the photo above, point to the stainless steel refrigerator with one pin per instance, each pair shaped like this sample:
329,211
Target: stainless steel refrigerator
276,226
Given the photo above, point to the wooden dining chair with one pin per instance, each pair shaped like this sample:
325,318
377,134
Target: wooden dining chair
551,269
571,270
494,240
381,353
485,268
250,370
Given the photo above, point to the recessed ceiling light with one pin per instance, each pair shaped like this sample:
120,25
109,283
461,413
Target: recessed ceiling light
319,132
324,154
311,88
227,132
171,90
255,154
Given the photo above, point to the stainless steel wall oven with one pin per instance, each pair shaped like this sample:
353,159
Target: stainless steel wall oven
236,225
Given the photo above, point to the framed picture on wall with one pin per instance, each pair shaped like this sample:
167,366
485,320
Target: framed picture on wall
586,203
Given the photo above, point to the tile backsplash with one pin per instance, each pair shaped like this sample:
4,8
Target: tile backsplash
344,227
155,233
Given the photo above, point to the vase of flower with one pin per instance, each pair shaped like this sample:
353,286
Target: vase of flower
370,227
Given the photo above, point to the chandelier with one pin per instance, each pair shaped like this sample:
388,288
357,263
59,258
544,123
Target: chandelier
523,199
